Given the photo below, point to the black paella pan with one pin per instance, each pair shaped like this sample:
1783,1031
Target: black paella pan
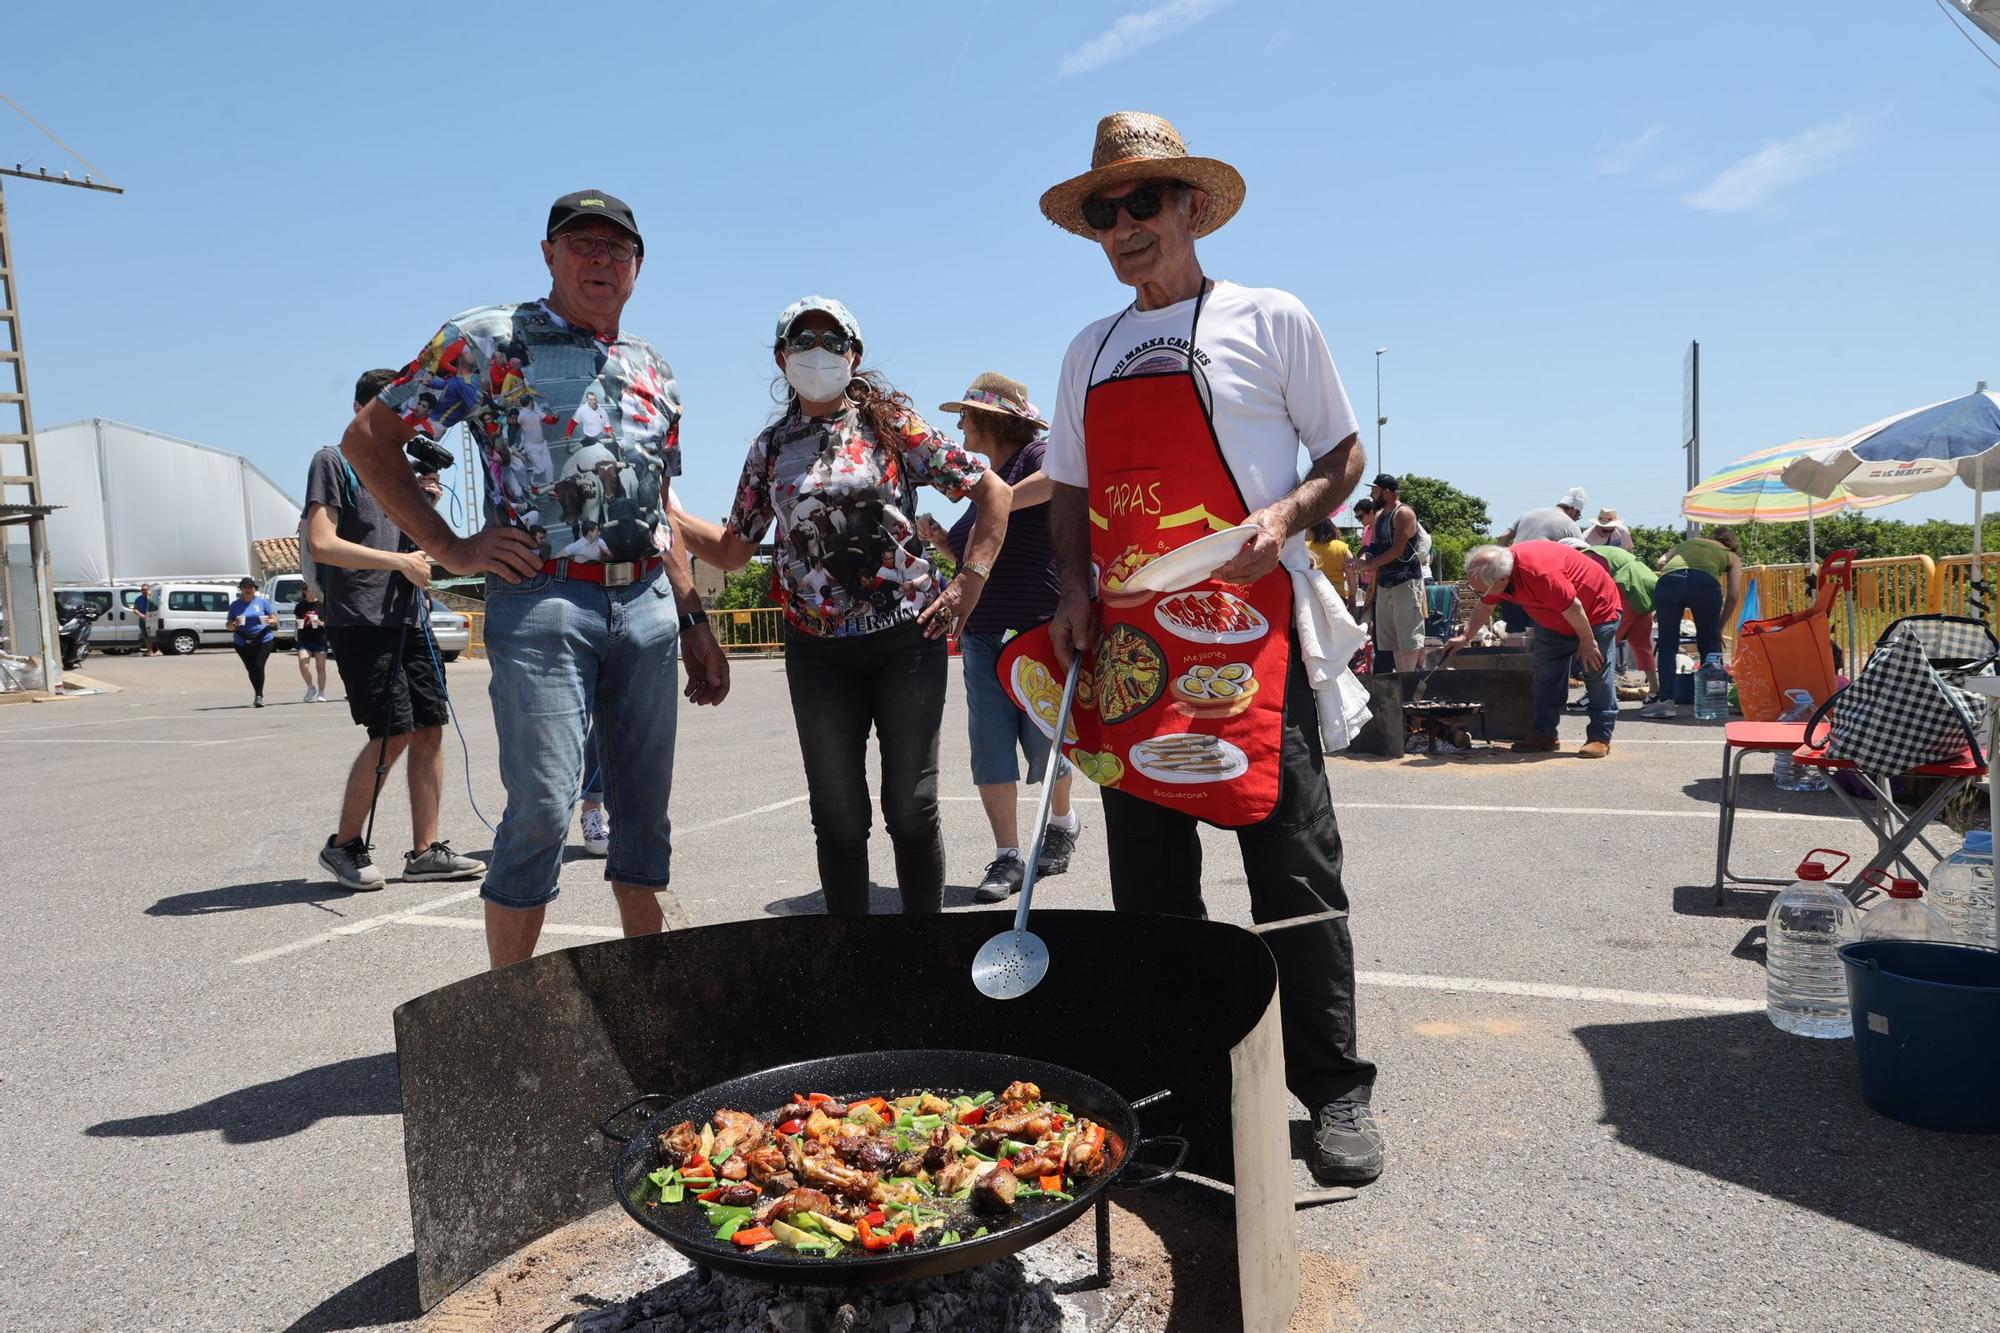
887,1074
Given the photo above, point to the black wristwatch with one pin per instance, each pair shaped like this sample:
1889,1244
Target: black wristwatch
689,619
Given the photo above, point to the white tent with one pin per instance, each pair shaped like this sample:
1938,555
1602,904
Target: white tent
139,505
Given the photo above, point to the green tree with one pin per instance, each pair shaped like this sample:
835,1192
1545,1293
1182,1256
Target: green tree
1649,544
1443,508
744,588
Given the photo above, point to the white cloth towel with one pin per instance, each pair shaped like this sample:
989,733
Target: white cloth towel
1328,639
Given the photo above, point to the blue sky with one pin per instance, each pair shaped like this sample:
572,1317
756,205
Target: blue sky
1533,207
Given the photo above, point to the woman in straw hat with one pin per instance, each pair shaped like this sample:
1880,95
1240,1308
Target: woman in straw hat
866,613
1180,416
997,420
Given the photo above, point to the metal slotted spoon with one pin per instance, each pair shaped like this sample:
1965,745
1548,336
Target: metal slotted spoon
1014,962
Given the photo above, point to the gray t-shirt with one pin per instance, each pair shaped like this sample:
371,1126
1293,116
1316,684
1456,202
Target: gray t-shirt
1545,525
358,596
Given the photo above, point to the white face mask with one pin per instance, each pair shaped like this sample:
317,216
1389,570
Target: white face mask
818,375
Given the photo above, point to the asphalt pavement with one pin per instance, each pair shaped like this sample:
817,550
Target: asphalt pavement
1590,1122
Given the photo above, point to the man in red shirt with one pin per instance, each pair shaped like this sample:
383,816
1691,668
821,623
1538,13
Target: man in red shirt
1575,607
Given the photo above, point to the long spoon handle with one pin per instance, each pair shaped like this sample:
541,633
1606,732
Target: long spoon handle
1048,792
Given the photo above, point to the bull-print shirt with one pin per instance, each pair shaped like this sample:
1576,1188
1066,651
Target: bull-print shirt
848,559
573,428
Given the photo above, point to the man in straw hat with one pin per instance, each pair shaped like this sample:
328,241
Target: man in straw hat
1179,417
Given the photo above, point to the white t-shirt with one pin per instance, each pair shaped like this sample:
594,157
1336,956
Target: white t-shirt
1261,366
586,548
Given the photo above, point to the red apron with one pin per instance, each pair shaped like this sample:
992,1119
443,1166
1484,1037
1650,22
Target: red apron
1183,700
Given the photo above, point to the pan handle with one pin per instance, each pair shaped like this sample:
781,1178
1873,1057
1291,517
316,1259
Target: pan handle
1156,1175
604,1126
1152,1098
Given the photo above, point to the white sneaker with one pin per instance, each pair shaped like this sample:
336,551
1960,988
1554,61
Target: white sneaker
596,833
1661,709
312,695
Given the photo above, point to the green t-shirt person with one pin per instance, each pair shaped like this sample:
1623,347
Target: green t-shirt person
1635,581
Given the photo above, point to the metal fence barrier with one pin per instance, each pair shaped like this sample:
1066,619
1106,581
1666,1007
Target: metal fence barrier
1885,589
753,630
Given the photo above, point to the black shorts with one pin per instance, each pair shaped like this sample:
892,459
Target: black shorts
388,693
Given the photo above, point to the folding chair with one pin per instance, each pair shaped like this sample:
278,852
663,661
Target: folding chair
1739,740
1895,828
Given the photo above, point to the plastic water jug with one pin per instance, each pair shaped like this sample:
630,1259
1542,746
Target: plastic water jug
1786,773
1805,983
1962,891
1903,915
1711,690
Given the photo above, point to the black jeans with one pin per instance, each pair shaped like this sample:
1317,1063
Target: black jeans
1292,862
254,656
894,680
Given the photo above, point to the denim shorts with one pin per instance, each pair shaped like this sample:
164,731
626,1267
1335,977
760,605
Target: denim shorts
999,730
563,652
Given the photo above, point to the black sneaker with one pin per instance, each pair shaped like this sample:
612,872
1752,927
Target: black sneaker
1347,1144
350,863
1002,879
1056,847
1578,705
258,702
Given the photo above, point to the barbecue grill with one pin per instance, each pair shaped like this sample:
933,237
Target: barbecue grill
507,1075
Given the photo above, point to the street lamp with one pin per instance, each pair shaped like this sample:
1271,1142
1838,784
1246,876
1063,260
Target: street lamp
1380,421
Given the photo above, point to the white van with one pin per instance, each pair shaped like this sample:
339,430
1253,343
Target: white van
192,614
116,626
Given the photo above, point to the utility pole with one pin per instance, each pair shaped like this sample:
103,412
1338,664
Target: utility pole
19,474
1691,420
1381,465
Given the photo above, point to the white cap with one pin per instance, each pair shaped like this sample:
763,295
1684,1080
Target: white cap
1575,499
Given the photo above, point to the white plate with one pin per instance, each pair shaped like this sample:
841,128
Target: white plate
1146,758
1259,626
1188,565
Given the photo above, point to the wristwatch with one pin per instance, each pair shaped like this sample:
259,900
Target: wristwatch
974,567
689,619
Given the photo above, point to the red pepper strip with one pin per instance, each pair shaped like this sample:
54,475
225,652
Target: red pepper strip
876,1218
874,1103
1052,1184
1096,1136
871,1241
1056,1124
1005,1164
975,1116
752,1236
791,1126
710,1196
818,1098
694,1163
904,1234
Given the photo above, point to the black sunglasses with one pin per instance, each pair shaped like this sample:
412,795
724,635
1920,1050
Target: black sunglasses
806,339
1142,203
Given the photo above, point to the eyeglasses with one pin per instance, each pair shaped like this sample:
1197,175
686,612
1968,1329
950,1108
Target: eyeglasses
807,339
1142,203
585,246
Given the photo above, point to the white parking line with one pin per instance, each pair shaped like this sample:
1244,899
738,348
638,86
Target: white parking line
357,927
1713,1004
1621,812
479,923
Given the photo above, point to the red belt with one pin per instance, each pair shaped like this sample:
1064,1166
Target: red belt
615,574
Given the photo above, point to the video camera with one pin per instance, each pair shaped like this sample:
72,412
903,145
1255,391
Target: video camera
427,454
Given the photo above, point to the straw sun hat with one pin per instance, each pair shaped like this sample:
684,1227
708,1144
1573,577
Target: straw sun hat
1135,145
994,392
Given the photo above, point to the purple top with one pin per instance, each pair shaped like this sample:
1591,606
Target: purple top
1023,590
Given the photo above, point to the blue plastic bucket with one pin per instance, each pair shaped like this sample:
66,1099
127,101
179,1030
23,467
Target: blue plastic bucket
1927,1031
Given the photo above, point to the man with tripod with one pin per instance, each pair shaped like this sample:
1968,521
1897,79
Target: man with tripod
377,618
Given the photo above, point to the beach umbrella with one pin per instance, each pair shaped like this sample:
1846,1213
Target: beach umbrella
1752,490
1919,450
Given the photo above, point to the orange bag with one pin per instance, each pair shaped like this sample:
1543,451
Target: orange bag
1793,652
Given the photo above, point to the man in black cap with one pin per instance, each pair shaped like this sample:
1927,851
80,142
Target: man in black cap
569,639
1397,605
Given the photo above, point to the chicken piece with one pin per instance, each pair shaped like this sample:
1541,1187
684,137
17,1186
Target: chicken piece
734,1169
819,1124
939,1152
1026,1123
735,1131
763,1161
955,1175
1041,1162
909,1164
680,1143
780,1183
1085,1159
865,1151
795,1201
798,1110
736,1196
1019,1092
932,1104
820,1169
993,1192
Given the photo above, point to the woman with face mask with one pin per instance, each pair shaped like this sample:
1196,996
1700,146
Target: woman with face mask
866,612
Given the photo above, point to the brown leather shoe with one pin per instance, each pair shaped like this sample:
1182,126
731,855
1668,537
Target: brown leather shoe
1537,745
1594,750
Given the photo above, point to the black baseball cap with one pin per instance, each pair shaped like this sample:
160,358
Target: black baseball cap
594,204
1386,480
